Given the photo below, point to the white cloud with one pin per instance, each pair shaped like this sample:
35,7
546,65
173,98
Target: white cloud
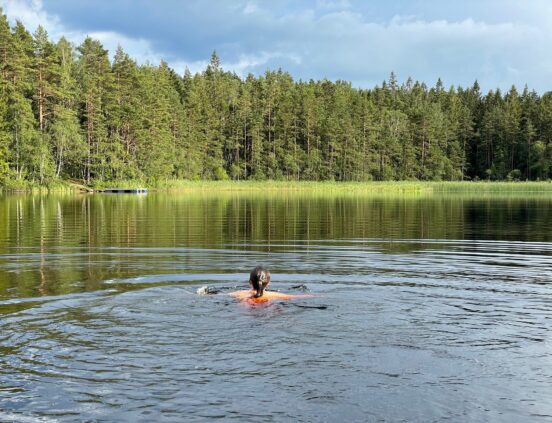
333,4
250,8
247,62
32,14
496,42
135,47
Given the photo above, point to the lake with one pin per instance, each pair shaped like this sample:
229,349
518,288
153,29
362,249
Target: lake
424,308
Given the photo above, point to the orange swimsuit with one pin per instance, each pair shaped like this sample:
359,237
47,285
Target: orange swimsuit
249,296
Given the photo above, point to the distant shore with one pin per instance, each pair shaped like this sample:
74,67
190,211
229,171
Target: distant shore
292,186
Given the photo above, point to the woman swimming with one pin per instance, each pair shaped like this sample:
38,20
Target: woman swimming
259,279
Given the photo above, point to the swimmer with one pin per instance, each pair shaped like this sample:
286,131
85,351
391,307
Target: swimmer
259,279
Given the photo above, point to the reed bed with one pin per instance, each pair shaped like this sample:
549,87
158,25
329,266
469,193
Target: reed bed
330,187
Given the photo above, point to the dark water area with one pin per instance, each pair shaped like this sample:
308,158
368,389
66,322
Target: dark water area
423,308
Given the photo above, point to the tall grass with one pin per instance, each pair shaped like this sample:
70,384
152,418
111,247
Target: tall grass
491,187
302,186
344,187
390,187
13,185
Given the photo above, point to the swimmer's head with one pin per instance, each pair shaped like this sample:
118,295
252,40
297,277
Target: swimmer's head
259,280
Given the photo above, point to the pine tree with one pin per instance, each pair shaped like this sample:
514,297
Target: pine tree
214,116
95,79
156,137
69,147
123,121
22,123
46,76
6,51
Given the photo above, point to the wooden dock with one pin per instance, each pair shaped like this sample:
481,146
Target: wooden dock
124,190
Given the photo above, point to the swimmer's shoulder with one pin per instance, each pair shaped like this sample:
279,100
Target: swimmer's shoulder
243,294
268,295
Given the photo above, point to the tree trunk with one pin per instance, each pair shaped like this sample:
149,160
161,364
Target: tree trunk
245,150
40,103
89,129
59,162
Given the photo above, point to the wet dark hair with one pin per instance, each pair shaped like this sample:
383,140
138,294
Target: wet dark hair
259,278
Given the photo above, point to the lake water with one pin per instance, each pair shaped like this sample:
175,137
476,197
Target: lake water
424,308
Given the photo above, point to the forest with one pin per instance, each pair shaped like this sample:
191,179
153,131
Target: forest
73,113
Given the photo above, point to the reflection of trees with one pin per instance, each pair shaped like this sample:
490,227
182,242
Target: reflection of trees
197,220
72,236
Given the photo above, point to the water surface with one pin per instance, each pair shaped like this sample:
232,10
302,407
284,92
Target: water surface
425,308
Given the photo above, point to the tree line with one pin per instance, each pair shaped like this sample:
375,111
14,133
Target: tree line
70,112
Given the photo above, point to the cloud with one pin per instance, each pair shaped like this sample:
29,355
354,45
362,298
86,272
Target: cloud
32,14
497,42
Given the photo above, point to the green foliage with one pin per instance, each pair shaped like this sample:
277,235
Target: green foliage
71,113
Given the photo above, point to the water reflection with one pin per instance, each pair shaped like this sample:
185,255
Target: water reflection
211,219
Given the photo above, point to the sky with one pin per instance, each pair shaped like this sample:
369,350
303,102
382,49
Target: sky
497,42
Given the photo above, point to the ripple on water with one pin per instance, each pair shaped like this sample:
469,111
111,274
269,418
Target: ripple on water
454,330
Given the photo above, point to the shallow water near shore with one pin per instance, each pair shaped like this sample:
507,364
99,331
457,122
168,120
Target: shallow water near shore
423,308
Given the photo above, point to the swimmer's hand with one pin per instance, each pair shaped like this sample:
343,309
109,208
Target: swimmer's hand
207,290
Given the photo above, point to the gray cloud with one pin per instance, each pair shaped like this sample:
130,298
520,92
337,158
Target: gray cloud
497,42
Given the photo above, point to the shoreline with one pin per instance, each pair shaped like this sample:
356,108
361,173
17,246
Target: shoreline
370,187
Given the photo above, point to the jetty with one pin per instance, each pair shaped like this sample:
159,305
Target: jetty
124,190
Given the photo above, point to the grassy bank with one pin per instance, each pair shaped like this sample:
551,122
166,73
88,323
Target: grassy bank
397,187
490,187
329,186
34,187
